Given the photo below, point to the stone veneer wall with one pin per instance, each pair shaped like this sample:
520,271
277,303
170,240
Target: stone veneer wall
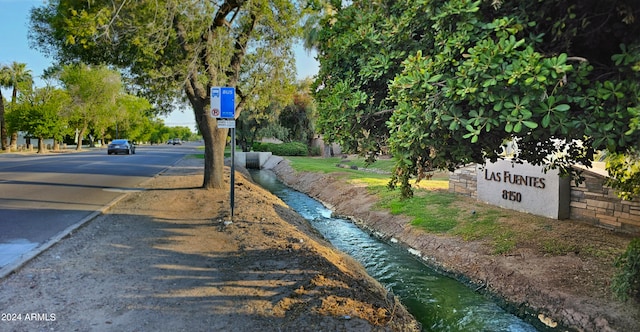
594,202
591,201
464,181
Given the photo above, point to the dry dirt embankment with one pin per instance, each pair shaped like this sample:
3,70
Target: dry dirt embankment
168,259
568,289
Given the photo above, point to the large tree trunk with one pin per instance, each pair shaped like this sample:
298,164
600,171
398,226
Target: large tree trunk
41,145
219,144
80,136
13,144
215,140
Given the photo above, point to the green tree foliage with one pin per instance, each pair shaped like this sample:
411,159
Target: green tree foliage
559,78
360,49
183,133
247,126
298,117
38,113
624,169
176,48
253,125
502,73
130,117
286,122
158,132
94,94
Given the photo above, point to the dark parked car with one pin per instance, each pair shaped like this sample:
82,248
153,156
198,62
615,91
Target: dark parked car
174,141
121,146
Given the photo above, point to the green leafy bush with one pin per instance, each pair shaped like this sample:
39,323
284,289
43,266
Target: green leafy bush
627,282
284,149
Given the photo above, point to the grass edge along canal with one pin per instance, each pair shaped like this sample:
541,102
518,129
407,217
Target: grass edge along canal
434,209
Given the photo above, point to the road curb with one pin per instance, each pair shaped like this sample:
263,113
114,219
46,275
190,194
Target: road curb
33,253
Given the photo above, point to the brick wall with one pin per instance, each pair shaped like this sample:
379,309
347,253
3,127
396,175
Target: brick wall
591,201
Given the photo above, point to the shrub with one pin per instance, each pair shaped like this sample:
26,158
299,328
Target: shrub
284,149
626,283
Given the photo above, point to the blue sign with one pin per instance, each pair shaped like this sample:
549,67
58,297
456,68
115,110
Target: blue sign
223,102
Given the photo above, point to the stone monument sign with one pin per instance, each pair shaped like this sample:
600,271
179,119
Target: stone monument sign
524,187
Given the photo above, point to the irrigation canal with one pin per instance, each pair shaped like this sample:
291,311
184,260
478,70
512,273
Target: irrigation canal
439,302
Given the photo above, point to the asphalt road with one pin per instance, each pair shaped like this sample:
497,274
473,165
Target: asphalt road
42,197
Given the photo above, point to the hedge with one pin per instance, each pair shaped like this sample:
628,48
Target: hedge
283,149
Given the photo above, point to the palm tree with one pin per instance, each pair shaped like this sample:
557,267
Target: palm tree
20,79
4,83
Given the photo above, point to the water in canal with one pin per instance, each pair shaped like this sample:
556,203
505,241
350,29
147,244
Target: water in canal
439,302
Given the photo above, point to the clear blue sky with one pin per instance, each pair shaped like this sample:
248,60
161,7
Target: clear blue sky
14,20
14,47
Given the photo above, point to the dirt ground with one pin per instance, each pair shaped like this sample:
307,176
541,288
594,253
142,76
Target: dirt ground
168,258
569,289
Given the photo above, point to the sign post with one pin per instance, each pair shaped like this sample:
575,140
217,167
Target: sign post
223,108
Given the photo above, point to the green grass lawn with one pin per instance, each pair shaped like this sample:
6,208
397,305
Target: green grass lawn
377,173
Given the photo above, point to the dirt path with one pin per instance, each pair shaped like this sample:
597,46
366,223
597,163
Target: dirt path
571,289
167,259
